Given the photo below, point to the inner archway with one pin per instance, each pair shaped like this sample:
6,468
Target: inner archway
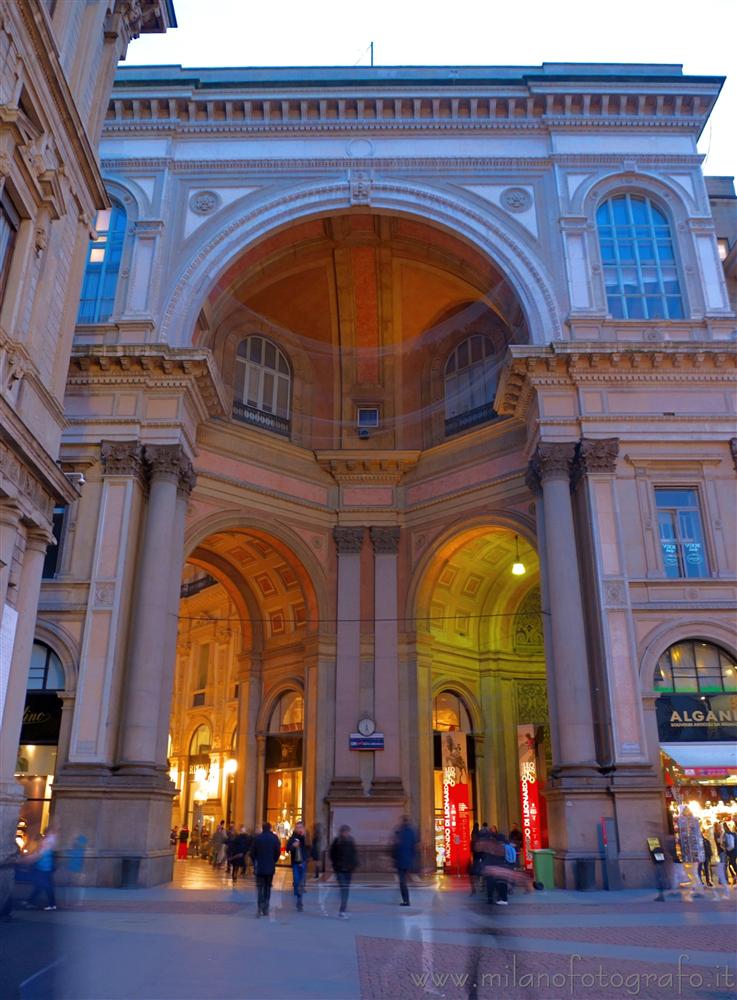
480,622
247,609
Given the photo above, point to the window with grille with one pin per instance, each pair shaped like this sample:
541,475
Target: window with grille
695,666
638,258
104,254
46,672
681,533
471,374
263,383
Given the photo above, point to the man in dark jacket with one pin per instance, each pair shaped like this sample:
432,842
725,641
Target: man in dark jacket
238,848
265,853
344,859
405,855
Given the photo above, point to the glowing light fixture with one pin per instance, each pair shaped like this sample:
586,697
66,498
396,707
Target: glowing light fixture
231,766
518,568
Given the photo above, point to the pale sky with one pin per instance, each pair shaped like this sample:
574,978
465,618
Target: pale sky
700,34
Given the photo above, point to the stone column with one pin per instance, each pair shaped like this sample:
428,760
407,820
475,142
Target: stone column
552,465
185,484
140,743
65,728
387,768
260,796
29,586
9,527
349,541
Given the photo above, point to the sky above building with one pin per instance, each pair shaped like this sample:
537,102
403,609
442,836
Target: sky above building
702,36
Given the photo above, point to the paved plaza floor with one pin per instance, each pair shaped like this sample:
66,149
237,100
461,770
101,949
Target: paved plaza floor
200,938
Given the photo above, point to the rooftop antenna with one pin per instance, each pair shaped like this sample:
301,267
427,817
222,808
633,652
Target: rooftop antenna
372,53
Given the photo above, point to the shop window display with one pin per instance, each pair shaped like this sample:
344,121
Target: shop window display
284,764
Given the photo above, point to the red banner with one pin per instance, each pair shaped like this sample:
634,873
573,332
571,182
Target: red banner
532,826
456,801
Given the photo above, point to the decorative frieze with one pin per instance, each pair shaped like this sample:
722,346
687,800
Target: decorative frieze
385,539
122,458
348,540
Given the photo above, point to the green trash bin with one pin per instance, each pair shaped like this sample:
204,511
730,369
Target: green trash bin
542,863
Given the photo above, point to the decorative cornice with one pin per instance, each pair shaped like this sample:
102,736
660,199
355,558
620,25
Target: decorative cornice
122,458
367,466
385,540
139,364
348,540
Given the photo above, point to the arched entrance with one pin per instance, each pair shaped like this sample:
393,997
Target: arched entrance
247,609
480,634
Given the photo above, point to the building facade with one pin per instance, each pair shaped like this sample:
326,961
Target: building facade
404,402
57,63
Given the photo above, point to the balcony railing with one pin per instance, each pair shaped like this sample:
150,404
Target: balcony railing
267,421
471,418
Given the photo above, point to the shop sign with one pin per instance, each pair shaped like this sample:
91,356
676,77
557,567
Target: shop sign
41,718
532,827
696,718
373,742
456,800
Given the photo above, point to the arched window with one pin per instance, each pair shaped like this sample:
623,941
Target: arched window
471,374
46,672
288,714
104,253
263,383
201,741
449,714
694,665
640,273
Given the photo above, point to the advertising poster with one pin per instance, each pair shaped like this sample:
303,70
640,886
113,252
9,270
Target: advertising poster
456,801
530,804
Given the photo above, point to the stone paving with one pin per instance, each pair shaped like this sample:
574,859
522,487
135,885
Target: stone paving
200,938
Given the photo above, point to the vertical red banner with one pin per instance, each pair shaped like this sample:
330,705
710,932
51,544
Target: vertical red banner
456,801
529,788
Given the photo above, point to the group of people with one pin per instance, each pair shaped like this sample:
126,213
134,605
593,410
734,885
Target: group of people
494,858
719,863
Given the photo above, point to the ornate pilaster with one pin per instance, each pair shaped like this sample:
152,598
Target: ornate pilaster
348,540
122,458
385,540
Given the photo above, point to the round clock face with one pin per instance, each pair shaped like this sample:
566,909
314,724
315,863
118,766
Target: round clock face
366,727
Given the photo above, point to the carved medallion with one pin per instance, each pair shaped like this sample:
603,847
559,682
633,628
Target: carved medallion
516,199
204,202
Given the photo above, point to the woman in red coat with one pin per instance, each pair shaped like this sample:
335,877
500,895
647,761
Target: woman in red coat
183,841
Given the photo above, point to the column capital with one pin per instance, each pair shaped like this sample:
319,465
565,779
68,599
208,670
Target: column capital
597,455
348,540
553,460
122,458
385,539
164,460
38,539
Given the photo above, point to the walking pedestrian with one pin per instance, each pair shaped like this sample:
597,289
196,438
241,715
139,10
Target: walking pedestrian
297,847
43,865
265,852
730,849
238,847
404,852
217,845
316,848
183,842
344,860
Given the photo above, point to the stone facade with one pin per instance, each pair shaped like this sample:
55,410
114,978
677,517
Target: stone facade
353,544
57,63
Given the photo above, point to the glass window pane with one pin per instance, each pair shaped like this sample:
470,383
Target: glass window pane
635,308
619,211
668,543
267,400
242,351
102,220
676,497
675,308
254,349
463,354
269,355
663,679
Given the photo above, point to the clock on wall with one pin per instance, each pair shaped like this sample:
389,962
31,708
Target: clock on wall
366,727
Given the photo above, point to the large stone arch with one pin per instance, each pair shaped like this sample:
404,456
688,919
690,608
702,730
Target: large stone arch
465,218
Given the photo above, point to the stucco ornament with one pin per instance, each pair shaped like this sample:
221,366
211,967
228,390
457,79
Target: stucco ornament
516,199
204,202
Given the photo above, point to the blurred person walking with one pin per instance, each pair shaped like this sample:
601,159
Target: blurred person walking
43,865
316,848
183,842
265,853
297,847
404,854
344,860
238,848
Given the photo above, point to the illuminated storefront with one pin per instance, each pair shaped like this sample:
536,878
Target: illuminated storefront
284,741
454,781
37,752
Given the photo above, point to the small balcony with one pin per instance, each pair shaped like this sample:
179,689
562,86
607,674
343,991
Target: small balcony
258,418
471,418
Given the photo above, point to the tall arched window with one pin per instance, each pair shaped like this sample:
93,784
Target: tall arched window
640,272
695,666
46,672
288,714
471,374
449,714
263,382
104,254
